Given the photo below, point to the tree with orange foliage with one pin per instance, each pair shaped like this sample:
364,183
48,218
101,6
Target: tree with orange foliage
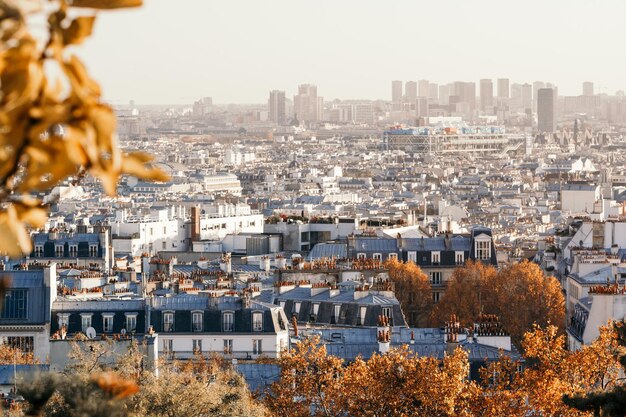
397,383
550,372
309,384
468,290
520,294
10,355
413,291
524,296
54,123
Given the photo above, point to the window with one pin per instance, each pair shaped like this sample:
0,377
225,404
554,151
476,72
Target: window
337,310
387,312
26,344
168,322
377,256
227,321
459,258
362,311
257,346
296,308
93,251
107,323
228,345
64,320
164,245
15,304
412,256
73,251
483,249
196,321
58,251
315,308
85,322
393,256
168,348
361,255
257,322
435,257
197,345
131,322
164,230
435,278
436,296
38,251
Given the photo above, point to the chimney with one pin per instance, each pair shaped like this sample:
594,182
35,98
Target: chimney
226,263
489,331
152,354
452,330
383,334
195,223
264,263
145,267
281,262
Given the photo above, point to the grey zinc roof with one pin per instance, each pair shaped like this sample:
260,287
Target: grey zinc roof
376,245
258,375
457,243
347,296
68,237
328,250
98,305
599,277
353,342
24,279
180,302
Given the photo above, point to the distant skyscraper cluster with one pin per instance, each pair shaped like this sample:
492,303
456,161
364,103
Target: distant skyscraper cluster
277,107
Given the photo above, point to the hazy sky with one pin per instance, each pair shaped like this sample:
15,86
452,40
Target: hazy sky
175,51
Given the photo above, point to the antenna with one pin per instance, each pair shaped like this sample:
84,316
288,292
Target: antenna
91,332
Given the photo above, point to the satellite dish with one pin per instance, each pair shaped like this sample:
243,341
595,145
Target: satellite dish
123,331
91,332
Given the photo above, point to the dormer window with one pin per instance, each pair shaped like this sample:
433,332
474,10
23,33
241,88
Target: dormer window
435,258
73,250
64,320
107,322
459,258
58,251
168,321
257,322
361,255
196,321
377,256
393,256
483,249
93,251
337,308
362,312
85,321
228,322
38,251
131,322
412,256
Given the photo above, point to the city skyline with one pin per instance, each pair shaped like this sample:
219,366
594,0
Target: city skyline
348,55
